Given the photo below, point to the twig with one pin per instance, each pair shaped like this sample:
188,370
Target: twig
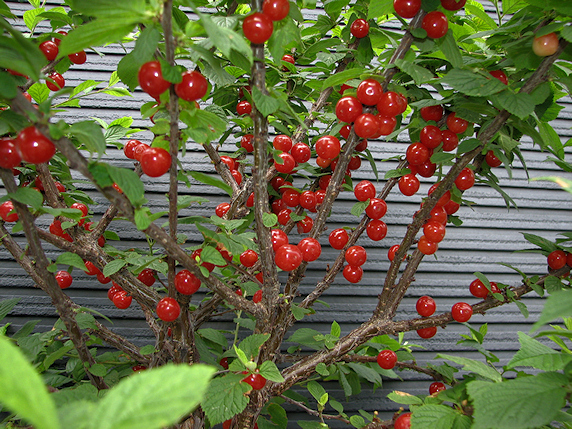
314,412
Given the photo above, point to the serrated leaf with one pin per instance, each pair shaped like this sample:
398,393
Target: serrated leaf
366,372
212,255
450,48
7,305
404,398
378,8
474,366
265,104
516,103
210,180
225,398
113,267
89,133
342,77
535,354
526,402
315,389
251,345
439,417
299,312
442,157
335,330
72,260
269,371
359,207
269,219
541,242
419,74
472,84
28,196
558,304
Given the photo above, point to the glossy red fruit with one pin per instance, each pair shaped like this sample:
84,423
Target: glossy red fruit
465,180
556,259
255,380
246,142
186,282
366,125
369,92
310,248
353,274
257,297
288,257
492,160
147,277
453,4
288,163
569,259
284,216
546,45
244,108
359,28
122,300
361,146
248,258
168,309
113,290
451,207
436,387
409,184
92,270
140,150
49,49
55,81
279,239
338,238
151,79
500,75
364,190
404,420
461,312
129,148
434,231
57,40
387,359
64,279
427,169
376,208
425,306
289,59
391,104
426,246
33,146
250,200
431,136
355,163
435,24
444,199
102,279
406,8
78,58
455,124
450,140
392,251
301,153
432,113
222,209
276,9
479,290
417,154
348,109
305,225
257,27
356,256
307,200
193,86
7,212
196,256
376,230
155,161
282,142
9,156
328,147
427,332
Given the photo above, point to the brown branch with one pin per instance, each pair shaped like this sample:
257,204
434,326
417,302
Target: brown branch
314,412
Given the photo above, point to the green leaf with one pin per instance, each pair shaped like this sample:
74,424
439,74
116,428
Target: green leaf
526,402
28,196
366,372
474,366
404,398
269,371
558,304
516,103
473,84
439,417
359,207
146,401
535,354
7,305
541,242
210,180
269,219
23,390
129,182
109,8
142,219
8,87
251,345
378,8
225,398
450,48
203,126
265,104
77,414
315,389
342,77
299,312
113,267
71,259
419,74
212,255
19,53
89,134
442,157
39,92
308,424
335,330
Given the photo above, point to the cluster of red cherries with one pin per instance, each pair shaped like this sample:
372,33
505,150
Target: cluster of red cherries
435,23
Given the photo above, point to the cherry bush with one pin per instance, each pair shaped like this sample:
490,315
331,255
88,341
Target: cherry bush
301,98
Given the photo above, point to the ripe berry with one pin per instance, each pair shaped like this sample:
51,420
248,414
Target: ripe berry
461,312
479,290
186,282
387,359
168,309
49,49
444,199
432,113
426,246
353,274
455,124
282,142
122,300
556,259
33,146
244,108
500,75
151,79
431,136
64,279
392,251
348,109
425,306
257,297
369,92
147,277
310,248
279,239
366,125
364,190
305,225
328,147
113,290
129,148
436,387
376,230
289,59
453,4
391,104
359,28
451,207
9,157
417,154
465,180
255,380
427,332
102,279
450,140
5,209
257,27
193,86
434,231
222,209
301,153
276,9
406,8
376,208
288,163
248,258
546,45
78,58
408,184
435,24
246,142
288,257
492,160
338,238
356,256
155,161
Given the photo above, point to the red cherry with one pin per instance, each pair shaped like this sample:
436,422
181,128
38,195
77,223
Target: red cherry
193,86
113,290
257,27
356,256
282,142
248,258
417,154
348,109
376,208
237,176
244,108
546,45
387,359
9,157
432,113
444,199
322,162
427,332
435,24
320,196
427,169
436,387
392,251
279,239
426,246
230,162
140,150
461,312
359,29
366,125
276,9
284,216
147,277
409,184
328,147
404,420
369,92
307,200
310,248
121,300
451,207
55,81
78,58
64,279
376,230
7,212
92,270
305,225
288,257
102,279
569,259
364,190
57,40
186,282
434,231
438,214
255,380
425,306
289,59
196,255
301,153
431,136
479,290
406,8
338,238
361,146
246,142
129,148
250,200
450,140
151,79
387,125
453,4
288,163
49,49
492,160
257,297
557,259
355,163
455,124
33,146
222,209
465,180
500,75
353,274
168,309
155,161
391,104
